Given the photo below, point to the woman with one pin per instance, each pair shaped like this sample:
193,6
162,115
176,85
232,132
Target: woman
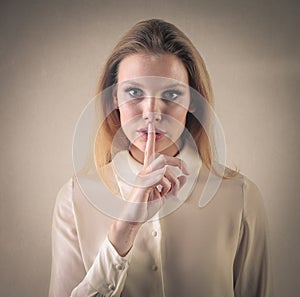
152,250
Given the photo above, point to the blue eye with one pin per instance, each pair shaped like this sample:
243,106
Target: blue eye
135,92
171,94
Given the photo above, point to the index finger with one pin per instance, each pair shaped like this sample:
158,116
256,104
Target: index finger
149,153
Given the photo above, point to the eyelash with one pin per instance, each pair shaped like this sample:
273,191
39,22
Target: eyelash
128,90
176,92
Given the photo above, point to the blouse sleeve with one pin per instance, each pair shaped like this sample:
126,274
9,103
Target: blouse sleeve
106,276
252,272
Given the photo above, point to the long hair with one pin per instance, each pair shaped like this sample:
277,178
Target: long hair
156,37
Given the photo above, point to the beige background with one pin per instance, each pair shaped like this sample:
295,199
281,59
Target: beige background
51,56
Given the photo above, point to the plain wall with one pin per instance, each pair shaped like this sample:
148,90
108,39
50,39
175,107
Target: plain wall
51,55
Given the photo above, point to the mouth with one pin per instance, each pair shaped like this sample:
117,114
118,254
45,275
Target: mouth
158,133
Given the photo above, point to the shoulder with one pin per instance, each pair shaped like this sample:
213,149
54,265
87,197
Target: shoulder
241,182
63,205
243,188
65,192
66,189
253,200
250,200
248,192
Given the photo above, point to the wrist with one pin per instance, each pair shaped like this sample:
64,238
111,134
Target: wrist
122,235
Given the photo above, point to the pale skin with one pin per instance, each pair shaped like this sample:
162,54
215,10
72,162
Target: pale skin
123,232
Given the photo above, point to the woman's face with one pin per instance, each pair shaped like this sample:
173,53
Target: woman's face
152,88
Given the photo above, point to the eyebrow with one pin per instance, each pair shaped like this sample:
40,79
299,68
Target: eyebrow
134,83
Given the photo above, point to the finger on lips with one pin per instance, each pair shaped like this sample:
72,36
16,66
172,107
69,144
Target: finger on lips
167,179
149,153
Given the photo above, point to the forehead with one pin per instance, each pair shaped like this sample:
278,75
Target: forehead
143,65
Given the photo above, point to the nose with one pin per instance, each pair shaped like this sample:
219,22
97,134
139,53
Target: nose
152,109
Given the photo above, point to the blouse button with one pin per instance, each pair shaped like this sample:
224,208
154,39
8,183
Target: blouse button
154,267
111,287
154,233
120,266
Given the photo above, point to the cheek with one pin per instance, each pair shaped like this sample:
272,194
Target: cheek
127,113
179,114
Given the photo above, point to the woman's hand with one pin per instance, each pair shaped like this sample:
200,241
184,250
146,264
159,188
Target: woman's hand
155,183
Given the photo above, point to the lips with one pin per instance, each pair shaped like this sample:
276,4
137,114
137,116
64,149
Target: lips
144,133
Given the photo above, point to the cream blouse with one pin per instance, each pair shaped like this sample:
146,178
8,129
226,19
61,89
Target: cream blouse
220,250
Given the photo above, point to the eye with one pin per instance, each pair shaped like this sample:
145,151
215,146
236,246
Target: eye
135,92
171,94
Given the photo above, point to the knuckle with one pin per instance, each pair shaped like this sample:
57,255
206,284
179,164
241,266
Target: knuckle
169,184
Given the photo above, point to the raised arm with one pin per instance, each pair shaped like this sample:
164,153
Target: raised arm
69,277
107,275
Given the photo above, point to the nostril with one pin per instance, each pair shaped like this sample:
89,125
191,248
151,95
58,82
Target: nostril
157,117
152,116
146,116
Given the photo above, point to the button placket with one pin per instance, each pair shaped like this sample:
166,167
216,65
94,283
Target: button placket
156,229
155,234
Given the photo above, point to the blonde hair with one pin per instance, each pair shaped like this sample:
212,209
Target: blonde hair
157,37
